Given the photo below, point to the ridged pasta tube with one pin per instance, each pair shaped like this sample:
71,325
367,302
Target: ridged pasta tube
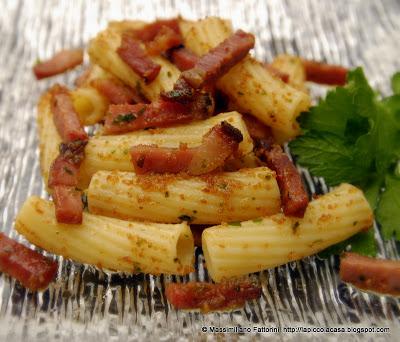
292,66
89,103
103,51
210,199
249,84
111,152
49,139
120,26
109,243
259,244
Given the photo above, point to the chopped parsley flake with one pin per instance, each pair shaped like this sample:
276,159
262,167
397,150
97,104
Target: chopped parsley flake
68,170
124,118
295,226
186,218
235,223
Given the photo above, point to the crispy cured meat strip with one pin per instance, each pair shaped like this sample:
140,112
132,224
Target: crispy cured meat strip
323,73
183,58
132,53
257,129
59,63
65,168
211,297
277,73
83,77
30,268
219,60
65,117
208,68
200,102
63,172
161,113
150,31
378,275
128,118
165,39
115,92
182,92
68,204
220,143
293,194
63,179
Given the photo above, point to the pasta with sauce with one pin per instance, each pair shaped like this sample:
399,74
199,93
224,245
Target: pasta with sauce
153,168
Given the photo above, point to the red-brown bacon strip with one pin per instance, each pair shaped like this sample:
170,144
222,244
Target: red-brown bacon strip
63,176
132,53
161,113
127,118
68,204
150,31
257,129
63,179
378,275
325,73
59,63
65,168
32,269
277,73
83,77
293,194
65,117
210,297
219,60
115,92
165,39
220,143
183,58
63,172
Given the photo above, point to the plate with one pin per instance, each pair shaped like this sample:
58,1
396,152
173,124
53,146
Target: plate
300,300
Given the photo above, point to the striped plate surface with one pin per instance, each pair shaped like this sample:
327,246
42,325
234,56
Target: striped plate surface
84,303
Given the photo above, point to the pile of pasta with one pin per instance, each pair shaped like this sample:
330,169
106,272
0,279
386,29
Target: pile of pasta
142,223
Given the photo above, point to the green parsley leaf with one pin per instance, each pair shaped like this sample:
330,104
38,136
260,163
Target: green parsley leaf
364,243
361,243
372,190
331,114
235,223
327,155
353,136
396,83
388,212
345,110
382,142
128,117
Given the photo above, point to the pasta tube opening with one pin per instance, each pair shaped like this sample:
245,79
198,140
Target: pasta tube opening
109,243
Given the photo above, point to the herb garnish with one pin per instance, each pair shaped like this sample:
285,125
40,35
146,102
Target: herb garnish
123,118
186,218
68,170
353,136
